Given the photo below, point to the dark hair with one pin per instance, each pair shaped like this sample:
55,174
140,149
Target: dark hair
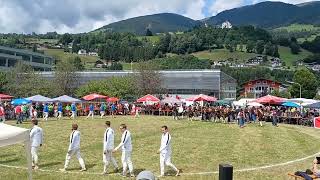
123,126
74,126
34,121
165,127
108,123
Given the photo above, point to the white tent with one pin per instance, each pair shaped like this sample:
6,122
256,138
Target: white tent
303,101
66,99
39,98
242,102
254,104
10,135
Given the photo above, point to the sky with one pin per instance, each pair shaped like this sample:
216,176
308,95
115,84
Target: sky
75,16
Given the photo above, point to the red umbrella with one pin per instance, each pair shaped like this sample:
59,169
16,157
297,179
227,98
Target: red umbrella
4,96
270,100
148,98
112,99
202,97
94,96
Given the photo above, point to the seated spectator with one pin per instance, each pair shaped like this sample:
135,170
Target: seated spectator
315,169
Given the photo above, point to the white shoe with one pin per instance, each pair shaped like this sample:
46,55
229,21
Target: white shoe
83,169
132,175
36,167
178,173
63,170
104,173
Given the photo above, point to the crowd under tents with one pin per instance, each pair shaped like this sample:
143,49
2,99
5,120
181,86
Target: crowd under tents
10,135
5,97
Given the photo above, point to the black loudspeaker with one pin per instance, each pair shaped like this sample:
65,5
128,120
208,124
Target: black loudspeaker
225,172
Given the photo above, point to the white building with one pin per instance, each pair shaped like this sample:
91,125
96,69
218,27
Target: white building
226,25
82,52
93,54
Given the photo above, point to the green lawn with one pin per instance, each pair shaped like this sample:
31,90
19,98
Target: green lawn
59,54
224,54
289,58
299,27
127,66
42,41
197,147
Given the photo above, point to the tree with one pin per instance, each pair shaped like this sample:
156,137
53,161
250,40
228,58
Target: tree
295,48
3,81
148,32
260,47
77,64
115,66
66,78
241,47
308,83
250,46
147,79
24,82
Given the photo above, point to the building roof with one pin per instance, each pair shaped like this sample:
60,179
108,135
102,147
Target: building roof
260,79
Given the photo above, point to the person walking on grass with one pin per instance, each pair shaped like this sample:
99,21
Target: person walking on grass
165,152
102,110
91,111
74,149
113,110
108,145
45,112
18,113
60,111
73,110
126,147
36,137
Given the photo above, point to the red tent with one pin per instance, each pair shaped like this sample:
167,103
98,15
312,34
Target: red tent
270,100
112,99
148,98
5,97
202,97
93,96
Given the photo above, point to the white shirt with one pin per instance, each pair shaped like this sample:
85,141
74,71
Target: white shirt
165,146
125,143
108,139
74,140
36,136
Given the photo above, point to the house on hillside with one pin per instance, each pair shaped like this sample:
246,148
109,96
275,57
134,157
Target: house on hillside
276,62
255,61
93,54
82,52
226,25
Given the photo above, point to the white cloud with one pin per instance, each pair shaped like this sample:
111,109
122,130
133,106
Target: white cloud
221,5
81,15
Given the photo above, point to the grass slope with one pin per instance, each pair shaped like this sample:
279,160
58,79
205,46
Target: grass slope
289,58
298,28
197,147
224,54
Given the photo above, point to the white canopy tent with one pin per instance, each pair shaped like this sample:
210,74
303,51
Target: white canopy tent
303,101
242,102
39,98
66,99
10,135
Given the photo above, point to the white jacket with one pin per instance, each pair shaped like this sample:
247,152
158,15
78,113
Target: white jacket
125,143
165,147
74,140
36,136
108,139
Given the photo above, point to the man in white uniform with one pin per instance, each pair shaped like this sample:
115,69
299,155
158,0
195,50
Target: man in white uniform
108,145
74,149
126,147
165,151
36,137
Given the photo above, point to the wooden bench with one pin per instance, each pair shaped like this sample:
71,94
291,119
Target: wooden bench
299,177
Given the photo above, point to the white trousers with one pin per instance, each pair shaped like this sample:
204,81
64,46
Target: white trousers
59,114
126,162
102,113
165,160
73,114
78,155
107,159
45,116
34,155
90,114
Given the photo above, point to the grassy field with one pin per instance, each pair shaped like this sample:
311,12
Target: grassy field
224,54
289,58
197,147
59,54
299,27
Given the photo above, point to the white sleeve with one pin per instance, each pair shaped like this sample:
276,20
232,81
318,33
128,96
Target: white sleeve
123,140
41,136
167,141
